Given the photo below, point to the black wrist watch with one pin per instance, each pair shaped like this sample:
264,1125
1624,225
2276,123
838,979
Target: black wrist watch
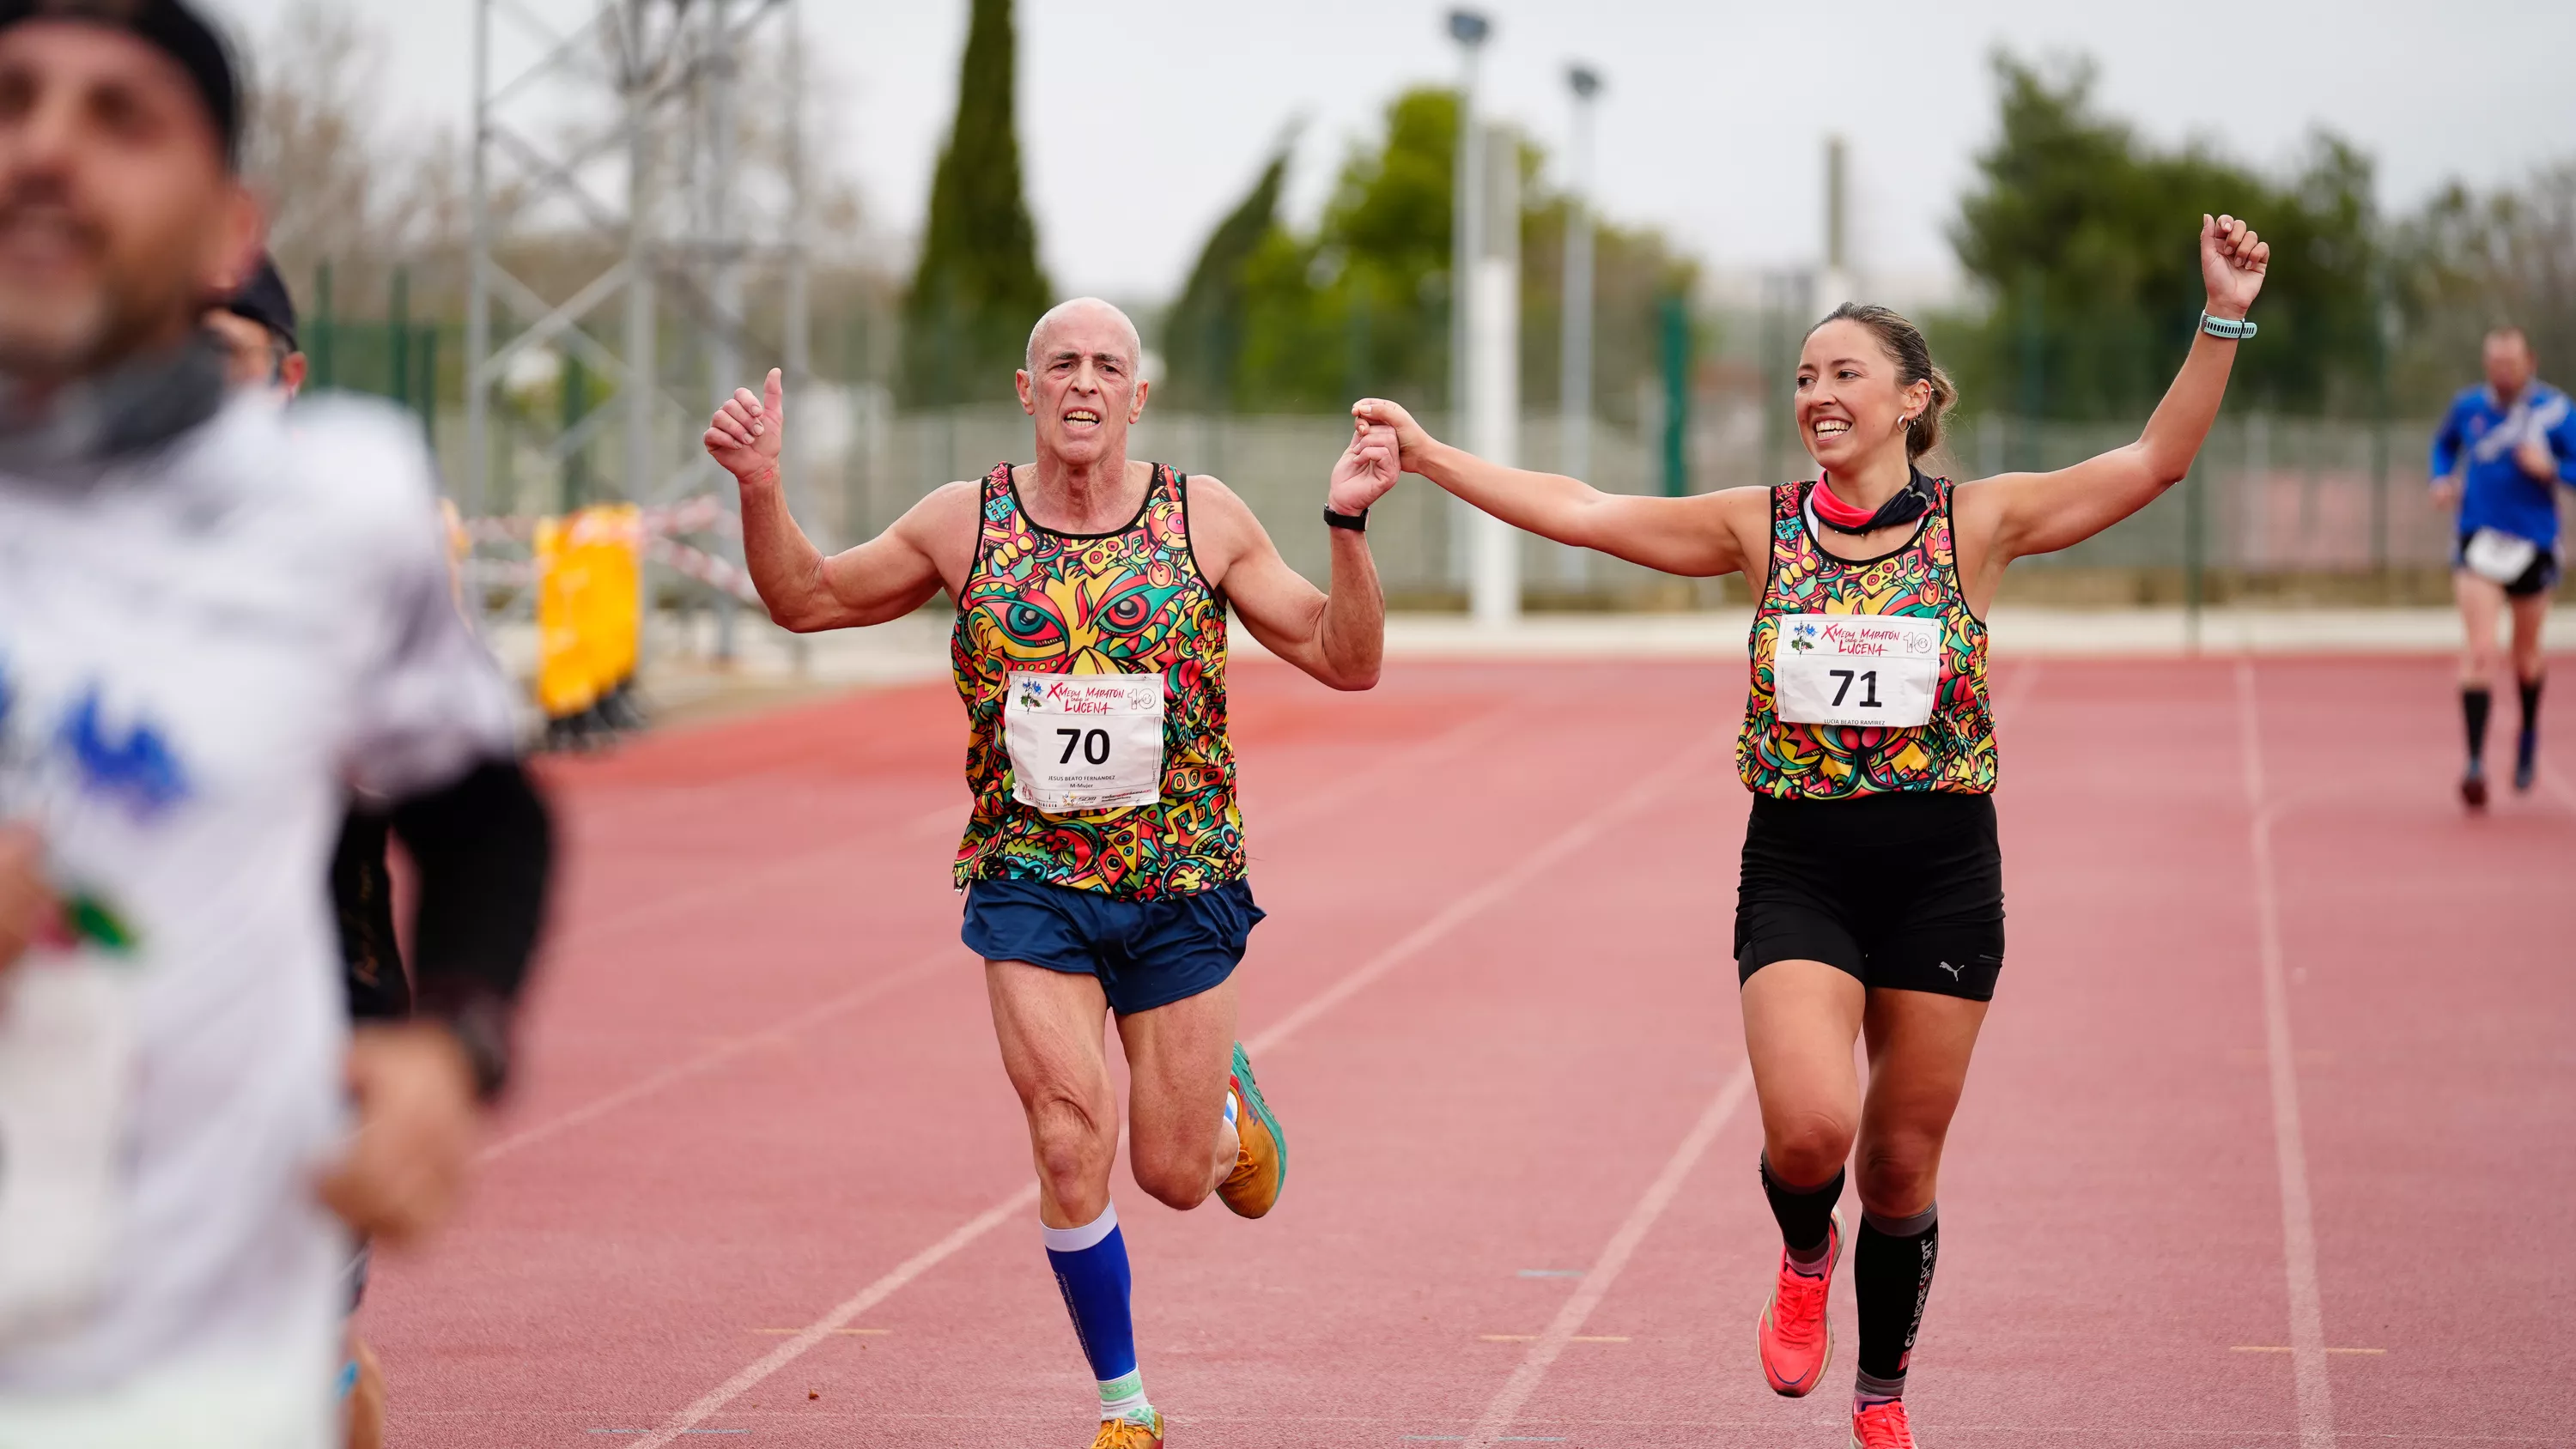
1355,522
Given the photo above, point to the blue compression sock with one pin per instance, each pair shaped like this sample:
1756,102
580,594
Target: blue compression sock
1091,1267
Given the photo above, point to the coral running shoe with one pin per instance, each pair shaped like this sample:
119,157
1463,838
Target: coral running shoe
2473,788
1795,1340
1881,1426
1261,1162
1146,1433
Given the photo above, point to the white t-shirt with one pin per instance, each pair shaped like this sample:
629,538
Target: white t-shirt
200,651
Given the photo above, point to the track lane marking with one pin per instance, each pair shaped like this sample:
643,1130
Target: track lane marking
1574,837
717,1056
1659,1195
945,819
2289,1144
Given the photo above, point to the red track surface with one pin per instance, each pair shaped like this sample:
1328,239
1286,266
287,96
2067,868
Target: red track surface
1495,1007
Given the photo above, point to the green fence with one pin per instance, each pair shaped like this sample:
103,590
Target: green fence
390,356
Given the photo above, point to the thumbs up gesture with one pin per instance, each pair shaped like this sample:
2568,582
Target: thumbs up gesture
748,431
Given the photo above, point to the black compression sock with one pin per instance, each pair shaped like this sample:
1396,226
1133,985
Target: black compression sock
2475,702
1891,1278
2531,710
1805,1214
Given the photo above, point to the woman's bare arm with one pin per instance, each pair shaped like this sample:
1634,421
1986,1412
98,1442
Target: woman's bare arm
1697,537
2029,513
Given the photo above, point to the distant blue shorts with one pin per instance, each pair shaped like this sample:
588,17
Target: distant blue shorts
1145,953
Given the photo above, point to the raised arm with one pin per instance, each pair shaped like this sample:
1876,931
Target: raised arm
1699,536
1339,636
2028,513
884,578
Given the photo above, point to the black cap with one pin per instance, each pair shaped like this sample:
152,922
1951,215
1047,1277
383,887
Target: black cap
265,300
174,29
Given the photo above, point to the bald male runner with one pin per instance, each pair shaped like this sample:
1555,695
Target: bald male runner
1103,864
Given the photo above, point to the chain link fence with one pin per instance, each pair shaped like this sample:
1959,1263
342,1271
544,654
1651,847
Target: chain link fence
2276,507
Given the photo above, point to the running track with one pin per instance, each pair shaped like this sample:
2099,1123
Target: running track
2267,1142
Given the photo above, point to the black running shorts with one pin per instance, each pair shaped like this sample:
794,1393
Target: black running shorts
1904,891
2540,578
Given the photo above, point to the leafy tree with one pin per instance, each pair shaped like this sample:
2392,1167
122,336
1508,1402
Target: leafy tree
2080,233
1204,333
1361,304
978,287
2467,262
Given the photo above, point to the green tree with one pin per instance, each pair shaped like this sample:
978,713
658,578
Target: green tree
1203,335
2081,235
978,287
1361,304
2468,262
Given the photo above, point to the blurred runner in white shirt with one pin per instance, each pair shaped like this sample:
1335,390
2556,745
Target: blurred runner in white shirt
216,617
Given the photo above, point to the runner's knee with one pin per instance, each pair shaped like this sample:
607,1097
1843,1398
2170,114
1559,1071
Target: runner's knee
1074,1141
1178,1180
1898,1173
1806,1147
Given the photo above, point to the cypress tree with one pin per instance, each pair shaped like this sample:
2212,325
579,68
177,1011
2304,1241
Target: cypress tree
1206,332
978,289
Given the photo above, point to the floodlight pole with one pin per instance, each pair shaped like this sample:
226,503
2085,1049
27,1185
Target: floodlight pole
1494,374
1574,381
478,282
1470,29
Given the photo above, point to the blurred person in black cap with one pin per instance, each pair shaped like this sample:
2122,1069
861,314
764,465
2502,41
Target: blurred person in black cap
256,328
216,619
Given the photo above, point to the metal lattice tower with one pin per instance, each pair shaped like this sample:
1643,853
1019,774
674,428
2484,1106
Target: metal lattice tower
618,155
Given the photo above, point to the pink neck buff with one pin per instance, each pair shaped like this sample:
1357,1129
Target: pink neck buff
1903,506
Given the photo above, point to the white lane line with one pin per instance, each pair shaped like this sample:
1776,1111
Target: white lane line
857,1303
946,958
2289,1144
1569,1319
1582,833
1571,839
2016,695
947,818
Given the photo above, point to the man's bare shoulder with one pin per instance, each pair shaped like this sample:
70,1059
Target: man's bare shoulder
1223,528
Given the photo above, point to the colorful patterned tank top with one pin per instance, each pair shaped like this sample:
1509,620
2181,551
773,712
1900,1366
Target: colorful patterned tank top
1129,602
1955,752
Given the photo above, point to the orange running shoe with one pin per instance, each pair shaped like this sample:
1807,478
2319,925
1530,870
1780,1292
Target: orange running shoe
1795,1340
1882,1426
1261,1162
1137,1433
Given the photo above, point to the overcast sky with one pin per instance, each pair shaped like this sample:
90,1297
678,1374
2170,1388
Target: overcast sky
1143,120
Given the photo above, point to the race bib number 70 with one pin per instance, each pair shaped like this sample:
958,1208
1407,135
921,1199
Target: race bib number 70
1083,742
1857,669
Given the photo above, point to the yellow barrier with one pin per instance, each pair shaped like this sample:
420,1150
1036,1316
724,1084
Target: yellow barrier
589,606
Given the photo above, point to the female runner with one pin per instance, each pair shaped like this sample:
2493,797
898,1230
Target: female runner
1871,901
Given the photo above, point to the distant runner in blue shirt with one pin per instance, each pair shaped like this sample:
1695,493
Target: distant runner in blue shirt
2499,456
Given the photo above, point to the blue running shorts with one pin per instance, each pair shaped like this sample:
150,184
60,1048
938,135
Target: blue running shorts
1145,953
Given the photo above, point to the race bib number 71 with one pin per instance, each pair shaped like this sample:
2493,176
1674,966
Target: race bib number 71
1857,669
1082,742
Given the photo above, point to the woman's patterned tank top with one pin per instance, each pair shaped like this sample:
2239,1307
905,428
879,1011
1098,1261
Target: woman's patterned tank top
1955,752
1129,602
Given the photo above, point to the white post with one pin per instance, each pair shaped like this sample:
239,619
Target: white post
1836,283
724,262
478,283
1574,380
1493,372
1466,215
